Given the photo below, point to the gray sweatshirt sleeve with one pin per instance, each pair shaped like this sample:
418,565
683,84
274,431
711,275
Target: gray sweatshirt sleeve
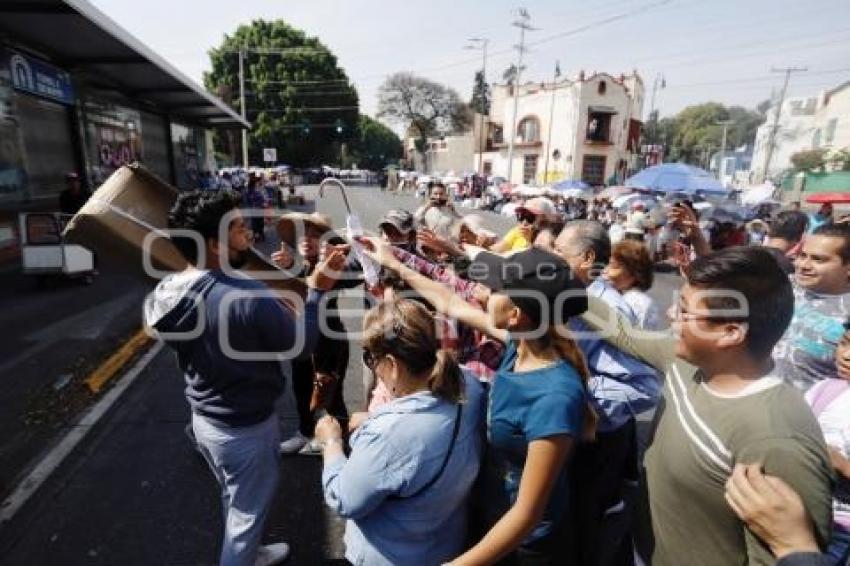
804,559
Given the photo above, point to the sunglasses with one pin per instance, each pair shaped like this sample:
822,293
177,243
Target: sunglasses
526,216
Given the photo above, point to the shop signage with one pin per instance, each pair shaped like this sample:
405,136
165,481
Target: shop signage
42,79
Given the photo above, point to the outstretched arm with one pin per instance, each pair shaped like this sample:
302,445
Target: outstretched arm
441,297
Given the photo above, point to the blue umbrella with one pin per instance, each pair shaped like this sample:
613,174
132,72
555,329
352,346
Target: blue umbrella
676,177
570,184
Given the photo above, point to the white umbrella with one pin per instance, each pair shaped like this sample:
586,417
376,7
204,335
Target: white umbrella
758,194
526,191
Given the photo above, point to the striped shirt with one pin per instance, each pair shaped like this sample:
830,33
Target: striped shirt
700,435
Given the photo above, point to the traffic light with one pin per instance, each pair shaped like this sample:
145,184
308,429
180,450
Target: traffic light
339,126
305,127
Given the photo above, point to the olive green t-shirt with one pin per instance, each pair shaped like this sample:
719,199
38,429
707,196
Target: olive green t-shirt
699,437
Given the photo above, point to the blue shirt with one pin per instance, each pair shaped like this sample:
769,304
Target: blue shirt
621,386
527,406
399,449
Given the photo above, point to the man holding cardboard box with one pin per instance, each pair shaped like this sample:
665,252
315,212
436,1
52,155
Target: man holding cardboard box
231,334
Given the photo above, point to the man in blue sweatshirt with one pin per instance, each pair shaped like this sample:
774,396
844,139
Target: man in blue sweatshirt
234,339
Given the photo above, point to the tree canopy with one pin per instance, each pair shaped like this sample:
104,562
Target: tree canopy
694,133
298,98
374,146
480,94
424,107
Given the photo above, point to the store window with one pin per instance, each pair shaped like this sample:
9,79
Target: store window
113,138
13,176
188,148
529,168
155,142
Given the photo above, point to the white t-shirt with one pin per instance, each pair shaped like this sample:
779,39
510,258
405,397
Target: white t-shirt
834,421
646,310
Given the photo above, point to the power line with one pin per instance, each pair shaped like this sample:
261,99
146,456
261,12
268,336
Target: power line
775,128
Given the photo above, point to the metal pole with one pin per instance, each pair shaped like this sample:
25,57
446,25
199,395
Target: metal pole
242,104
551,119
481,136
725,124
522,24
771,144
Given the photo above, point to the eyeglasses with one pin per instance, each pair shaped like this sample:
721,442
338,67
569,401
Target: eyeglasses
526,216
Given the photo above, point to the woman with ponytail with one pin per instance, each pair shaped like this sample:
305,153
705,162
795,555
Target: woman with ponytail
405,485
538,402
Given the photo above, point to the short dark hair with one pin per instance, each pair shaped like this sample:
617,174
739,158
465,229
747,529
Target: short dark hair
756,275
837,231
433,185
789,225
202,212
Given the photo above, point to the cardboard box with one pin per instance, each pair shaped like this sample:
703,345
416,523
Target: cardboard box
131,204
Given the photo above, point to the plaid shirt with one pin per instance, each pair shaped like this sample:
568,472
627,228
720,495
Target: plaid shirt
477,352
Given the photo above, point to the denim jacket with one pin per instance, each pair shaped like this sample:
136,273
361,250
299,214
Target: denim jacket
399,449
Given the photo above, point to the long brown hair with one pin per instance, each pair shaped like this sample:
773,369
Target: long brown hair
405,329
558,338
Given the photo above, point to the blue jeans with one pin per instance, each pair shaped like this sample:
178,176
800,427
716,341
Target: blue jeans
245,463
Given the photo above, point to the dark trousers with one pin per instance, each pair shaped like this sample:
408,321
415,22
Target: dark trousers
605,473
302,387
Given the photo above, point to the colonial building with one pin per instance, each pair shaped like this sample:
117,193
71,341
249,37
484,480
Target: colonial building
812,122
442,154
586,128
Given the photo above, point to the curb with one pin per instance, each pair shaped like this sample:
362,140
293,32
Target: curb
52,460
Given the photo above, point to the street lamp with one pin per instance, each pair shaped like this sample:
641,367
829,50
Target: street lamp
476,44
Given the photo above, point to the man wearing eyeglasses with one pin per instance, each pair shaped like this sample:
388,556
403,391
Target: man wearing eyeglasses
724,403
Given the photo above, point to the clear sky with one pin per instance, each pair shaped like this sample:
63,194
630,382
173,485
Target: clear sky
719,50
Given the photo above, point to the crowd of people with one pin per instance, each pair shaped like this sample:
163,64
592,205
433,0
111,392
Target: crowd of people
505,377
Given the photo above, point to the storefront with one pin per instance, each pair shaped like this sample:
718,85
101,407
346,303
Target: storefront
91,101
37,143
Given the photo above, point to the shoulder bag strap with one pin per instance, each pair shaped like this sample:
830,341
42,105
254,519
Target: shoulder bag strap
445,460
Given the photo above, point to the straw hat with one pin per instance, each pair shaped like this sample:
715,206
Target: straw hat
540,206
295,224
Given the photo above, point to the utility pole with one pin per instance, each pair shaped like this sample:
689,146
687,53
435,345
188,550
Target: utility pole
523,25
771,142
725,124
480,43
242,105
662,83
551,120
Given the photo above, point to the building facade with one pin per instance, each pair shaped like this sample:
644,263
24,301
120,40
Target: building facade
587,128
805,123
442,154
92,101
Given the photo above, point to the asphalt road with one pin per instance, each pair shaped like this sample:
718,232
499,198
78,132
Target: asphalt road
134,492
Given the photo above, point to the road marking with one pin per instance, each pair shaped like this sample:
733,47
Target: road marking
48,464
98,378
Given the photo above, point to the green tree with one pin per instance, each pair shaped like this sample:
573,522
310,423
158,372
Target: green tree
809,160
425,108
296,98
480,94
697,130
374,145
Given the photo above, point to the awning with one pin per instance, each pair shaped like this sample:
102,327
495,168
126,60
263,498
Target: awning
603,109
82,39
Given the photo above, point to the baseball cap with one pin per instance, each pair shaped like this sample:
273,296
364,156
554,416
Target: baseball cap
535,280
539,205
401,220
